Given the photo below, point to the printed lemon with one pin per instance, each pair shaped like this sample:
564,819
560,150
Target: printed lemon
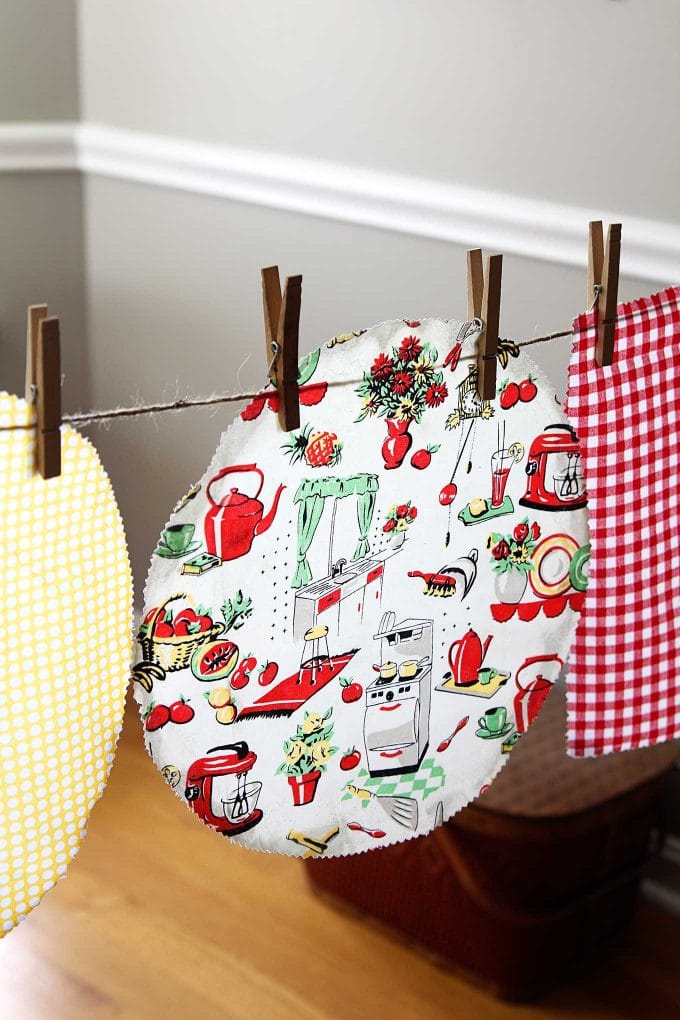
219,697
226,715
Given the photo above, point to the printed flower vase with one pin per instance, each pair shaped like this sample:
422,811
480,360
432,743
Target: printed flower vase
510,586
398,442
398,540
304,787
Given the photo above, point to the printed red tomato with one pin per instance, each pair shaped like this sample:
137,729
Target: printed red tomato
204,623
509,395
350,760
527,390
351,690
157,716
163,629
268,673
181,711
182,627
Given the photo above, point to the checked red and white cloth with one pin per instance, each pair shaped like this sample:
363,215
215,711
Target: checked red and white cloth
623,684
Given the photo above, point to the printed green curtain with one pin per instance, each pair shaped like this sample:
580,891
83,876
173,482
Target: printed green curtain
309,515
365,508
311,494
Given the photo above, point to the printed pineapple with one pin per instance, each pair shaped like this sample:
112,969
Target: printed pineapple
316,448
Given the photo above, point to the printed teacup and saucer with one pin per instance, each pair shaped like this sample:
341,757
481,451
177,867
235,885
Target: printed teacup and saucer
176,541
493,724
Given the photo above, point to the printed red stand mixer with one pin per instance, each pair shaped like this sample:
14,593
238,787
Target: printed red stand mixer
554,477
238,806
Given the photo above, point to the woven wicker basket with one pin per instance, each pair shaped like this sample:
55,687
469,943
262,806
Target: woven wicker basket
173,653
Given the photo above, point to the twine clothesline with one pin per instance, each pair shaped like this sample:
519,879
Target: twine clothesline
92,417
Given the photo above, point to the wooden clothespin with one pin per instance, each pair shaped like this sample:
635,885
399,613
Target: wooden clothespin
282,328
603,273
35,314
48,398
484,302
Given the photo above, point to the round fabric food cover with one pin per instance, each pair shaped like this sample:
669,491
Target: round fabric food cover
348,627
64,654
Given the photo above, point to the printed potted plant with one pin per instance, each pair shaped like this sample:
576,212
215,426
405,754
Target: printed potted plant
397,521
511,559
306,755
400,387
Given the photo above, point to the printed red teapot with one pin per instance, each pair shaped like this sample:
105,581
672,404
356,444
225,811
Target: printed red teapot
530,697
468,658
232,523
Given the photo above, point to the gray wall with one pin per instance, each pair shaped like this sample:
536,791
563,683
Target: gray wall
575,102
38,60
175,307
41,214
41,262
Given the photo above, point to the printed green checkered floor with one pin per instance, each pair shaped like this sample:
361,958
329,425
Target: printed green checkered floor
428,779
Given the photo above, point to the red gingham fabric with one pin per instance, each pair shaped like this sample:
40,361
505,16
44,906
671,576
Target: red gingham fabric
623,684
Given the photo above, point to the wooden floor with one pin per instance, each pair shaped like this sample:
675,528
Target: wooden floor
159,918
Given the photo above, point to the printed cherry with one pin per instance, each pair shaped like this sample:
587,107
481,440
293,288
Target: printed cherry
351,690
242,675
350,760
448,494
527,390
181,711
268,673
157,716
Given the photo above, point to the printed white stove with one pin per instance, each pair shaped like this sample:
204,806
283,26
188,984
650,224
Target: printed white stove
397,720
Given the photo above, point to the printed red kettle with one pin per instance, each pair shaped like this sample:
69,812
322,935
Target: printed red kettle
468,658
529,699
232,523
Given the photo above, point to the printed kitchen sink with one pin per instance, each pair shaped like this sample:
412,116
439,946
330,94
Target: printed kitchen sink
330,583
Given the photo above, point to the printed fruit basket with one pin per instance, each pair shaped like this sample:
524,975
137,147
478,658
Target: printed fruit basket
170,640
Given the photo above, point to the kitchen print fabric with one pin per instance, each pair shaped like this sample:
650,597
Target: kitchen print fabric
65,654
623,689
348,627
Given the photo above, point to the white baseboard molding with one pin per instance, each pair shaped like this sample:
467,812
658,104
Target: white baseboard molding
423,208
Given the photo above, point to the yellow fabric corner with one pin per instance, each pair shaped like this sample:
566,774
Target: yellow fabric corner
65,643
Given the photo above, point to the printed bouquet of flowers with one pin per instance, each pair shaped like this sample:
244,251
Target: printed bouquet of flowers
513,552
402,386
307,754
399,517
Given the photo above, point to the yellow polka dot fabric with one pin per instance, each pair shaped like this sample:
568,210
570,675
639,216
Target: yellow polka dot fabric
65,642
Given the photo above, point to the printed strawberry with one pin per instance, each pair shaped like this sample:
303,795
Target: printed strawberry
181,711
350,760
422,458
351,690
317,448
156,716
527,390
509,394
